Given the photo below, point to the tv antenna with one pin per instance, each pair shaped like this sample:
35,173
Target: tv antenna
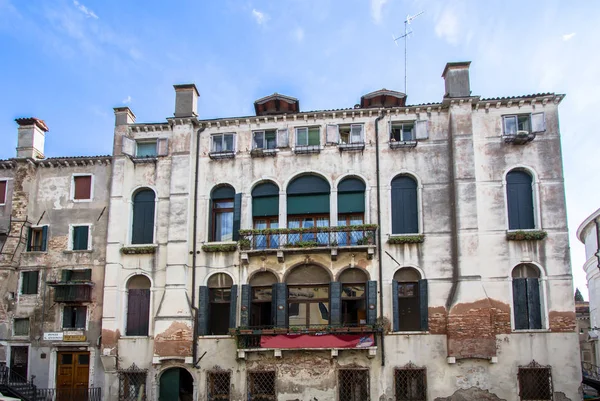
407,33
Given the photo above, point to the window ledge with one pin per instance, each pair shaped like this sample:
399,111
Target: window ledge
307,149
402,144
264,152
533,331
216,337
67,251
139,249
351,146
81,200
224,246
222,155
148,159
36,252
135,338
407,333
406,239
525,235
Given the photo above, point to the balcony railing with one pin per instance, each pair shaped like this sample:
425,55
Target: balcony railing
72,292
302,238
69,394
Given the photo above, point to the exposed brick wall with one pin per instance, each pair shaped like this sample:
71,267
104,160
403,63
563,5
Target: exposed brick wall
471,332
437,320
563,322
175,341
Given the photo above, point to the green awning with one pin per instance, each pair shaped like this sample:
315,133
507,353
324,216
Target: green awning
351,202
307,204
265,206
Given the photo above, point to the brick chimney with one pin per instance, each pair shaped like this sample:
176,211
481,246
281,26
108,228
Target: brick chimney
31,137
186,100
456,76
123,116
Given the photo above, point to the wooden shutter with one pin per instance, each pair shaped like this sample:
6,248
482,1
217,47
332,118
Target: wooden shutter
423,305
30,282
80,317
83,187
211,229
138,312
127,146
29,238
405,211
520,303
282,138
333,134
395,306
538,122
335,303
80,237
143,218
44,238
237,216
519,201
2,192
246,305
371,301
162,146
233,307
274,304
68,317
421,129
282,305
533,303
203,310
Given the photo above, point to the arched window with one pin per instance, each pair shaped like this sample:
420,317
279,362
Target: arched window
519,196
217,305
138,306
354,288
307,207
225,214
257,297
143,217
351,209
265,213
410,301
308,296
405,211
526,297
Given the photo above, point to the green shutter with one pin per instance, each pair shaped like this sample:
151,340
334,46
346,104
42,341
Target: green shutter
395,311
44,238
211,229
520,303
80,238
246,305
371,300
233,307
423,305
29,238
351,202
203,310
265,206
80,317
307,204
237,216
335,303
533,303
282,304
313,136
169,385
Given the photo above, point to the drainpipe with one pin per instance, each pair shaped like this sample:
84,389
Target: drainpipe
379,232
597,241
453,220
194,250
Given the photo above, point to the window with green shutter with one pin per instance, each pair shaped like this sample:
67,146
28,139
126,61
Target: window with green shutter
80,238
29,282
405,210
74,317
21,327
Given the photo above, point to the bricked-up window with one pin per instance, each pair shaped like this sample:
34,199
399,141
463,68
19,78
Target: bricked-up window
2,192
411,383
82,187
29,282
353,385
37,239
132,384
74,317
519,198
526,297
217,385
535,382
261,386
21,327
138,306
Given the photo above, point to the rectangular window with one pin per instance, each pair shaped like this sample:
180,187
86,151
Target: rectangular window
265,139
21,327
132,385
3,192
38,238
217,386
353,384
262,241
319,238
146,149
261,312
223,219
402,131
74,317
223,143
261,386
411,384
535,383
351,237
82,187
351,134
220,300
527,123
308,306
29,282
80,238
308,136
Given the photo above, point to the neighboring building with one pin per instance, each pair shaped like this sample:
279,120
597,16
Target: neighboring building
583,327
411,252
53,219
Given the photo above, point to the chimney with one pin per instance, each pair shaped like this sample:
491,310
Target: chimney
123,116
456,76
186,100
31,136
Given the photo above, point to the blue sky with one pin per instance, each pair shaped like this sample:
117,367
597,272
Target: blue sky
70,62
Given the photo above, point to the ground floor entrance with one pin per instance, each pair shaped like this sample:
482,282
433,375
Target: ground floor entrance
19,360
72,375
176,384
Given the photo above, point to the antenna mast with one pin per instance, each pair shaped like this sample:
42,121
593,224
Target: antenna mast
405,36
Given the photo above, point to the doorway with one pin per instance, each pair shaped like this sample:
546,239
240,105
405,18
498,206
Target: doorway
72,375
176,384
19,358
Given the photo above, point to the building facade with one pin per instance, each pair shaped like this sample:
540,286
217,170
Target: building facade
53,221
385,251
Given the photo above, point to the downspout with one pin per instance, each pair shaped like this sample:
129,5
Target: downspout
379,233
194,251
453,219
597,241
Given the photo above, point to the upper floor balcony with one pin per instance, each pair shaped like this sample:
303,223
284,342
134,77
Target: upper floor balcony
74,286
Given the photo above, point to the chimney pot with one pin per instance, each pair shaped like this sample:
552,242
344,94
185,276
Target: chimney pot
31,136
456,76
186,100
123,116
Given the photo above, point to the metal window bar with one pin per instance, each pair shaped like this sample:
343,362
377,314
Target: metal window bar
535,382
411,383
261,386
132,384
353,385
218,385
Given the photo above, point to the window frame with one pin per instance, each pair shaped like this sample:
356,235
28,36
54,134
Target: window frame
22,282
419,190
72,237
14,333
222,136
307,128
264,139
350,126
74,328
4,196
212,291
134,193
537,225
72,194
529,116
146,142
214,211
325,301
271,241
542,290
403,123
29,246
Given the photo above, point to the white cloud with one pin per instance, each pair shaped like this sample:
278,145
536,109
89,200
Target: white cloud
85,10
259,16
376,9
448,26
299,34
127,100
568,36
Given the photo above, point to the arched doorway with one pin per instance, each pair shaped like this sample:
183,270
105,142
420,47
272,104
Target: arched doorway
176,384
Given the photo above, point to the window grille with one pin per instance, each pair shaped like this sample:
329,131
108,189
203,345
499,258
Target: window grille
535,382
132,384
218,384
411,383
353,385
261,386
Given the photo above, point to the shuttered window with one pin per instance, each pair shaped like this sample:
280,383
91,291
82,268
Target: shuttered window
143,217
308,194
265,200
74,317
405,211
217,305
519,196
21,327
526,297
410,301
37,239
29,284
83,187
2,192
138,312
80,238
351,196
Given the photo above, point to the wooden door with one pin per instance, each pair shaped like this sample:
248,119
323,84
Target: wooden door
72,378
169,385
19,357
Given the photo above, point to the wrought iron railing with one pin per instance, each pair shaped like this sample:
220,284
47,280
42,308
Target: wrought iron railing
69,394
294,238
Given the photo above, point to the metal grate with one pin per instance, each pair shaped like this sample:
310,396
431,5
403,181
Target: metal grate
261,386
132,384
353,385
218,384
535,382
411,383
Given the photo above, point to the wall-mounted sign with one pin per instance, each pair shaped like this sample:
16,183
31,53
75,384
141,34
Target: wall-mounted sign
74,337
53,336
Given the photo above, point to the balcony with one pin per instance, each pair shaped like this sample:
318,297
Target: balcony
519,137
72,292
314,239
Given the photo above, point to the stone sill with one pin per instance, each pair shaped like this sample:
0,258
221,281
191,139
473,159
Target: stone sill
524,331
70,251
140,249
216,337
135,338
407,333
35,252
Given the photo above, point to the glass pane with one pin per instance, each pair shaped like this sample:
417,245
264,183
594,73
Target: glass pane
313,136
510,125
224,226
146,149
66,359
297,314
83,359
353,291
261,294
227,204
228,142
308,293
260,224
406,290
301,136
217,143
523,123
356,220
258,140
319,313
408,132
271,139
